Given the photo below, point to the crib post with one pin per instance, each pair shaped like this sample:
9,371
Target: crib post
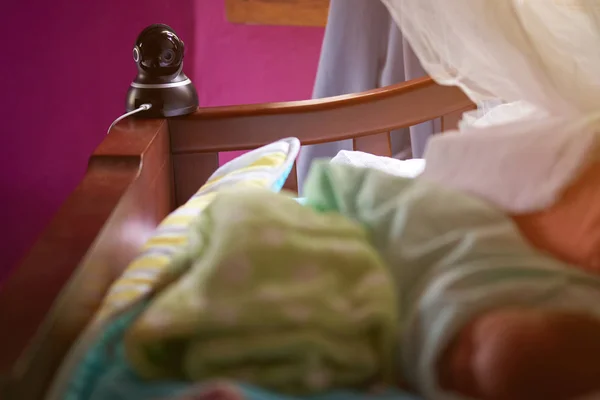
191,172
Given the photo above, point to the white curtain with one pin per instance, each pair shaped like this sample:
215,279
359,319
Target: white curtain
542,58
363,49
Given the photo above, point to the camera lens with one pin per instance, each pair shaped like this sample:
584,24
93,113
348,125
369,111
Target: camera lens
160,50
167,56
136,54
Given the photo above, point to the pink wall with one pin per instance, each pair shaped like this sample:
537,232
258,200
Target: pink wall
239,64
66,67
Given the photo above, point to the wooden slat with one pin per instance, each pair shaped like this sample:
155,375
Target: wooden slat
291,183
450,121
315,121
379,144
278,12
191,172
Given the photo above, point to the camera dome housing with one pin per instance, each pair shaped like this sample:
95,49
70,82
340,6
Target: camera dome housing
159,53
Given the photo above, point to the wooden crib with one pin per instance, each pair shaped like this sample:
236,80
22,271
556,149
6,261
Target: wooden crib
141,172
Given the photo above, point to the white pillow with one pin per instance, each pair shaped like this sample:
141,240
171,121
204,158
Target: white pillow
406,168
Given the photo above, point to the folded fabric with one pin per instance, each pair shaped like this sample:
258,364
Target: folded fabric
453,256
123,385
274,294
407,168
266,167
521,166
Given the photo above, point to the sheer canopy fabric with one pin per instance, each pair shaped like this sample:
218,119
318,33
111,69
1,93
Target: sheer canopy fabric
542,57
542,51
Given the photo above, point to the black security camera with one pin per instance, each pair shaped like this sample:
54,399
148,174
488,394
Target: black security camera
158,53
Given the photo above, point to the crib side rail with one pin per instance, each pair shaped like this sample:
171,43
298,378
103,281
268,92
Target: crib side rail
52,294
366,117
352,116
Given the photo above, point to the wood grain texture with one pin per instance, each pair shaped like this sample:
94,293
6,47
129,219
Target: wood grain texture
191,171
291,182
98,230
278,12
379,144
451,121
315,121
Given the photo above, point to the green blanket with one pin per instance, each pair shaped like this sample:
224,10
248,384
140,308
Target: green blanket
297,299
452,256
272,293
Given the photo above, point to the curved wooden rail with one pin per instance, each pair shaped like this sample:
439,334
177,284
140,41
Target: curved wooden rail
100,227
315,121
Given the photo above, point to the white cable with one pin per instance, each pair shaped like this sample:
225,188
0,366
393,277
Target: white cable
143,107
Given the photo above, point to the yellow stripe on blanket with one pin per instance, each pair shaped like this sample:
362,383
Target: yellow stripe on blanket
268,161
260,168
148,262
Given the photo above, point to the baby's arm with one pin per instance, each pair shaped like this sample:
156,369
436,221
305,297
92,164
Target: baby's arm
514,354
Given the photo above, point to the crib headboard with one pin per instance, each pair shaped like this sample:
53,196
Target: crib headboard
142,171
